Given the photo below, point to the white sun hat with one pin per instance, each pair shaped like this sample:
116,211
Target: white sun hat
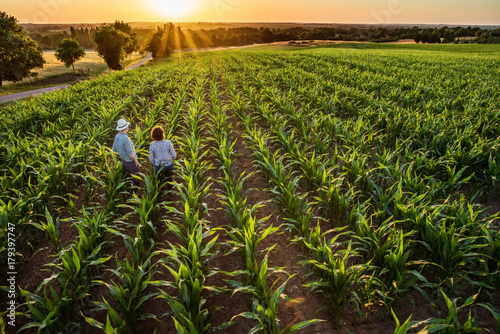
122,125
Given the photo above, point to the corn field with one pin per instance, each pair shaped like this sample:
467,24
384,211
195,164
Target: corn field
349,189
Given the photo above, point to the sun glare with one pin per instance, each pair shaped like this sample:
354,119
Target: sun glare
176,9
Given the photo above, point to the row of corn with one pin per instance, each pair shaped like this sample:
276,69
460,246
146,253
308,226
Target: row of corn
369,236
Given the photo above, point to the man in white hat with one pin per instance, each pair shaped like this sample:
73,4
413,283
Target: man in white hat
125,148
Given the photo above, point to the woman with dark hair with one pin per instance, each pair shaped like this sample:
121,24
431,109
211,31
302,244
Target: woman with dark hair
162,154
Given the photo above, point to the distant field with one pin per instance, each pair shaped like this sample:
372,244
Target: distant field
55,68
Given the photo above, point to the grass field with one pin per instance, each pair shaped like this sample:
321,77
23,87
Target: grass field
54,72
343,189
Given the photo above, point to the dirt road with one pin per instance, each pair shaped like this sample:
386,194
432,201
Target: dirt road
30,93
140,62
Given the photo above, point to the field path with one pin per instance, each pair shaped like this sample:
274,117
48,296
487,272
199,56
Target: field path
29,93
140,62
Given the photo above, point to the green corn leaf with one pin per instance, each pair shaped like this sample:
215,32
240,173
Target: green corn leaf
303,324
109,328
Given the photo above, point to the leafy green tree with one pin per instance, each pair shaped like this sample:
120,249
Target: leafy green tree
162,41
112,45
435,38
267,36
425,37
19,54
449,35
461,32
69,51
127,28
154,44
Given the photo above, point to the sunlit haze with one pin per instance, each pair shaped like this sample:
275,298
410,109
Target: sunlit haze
173,9
479,12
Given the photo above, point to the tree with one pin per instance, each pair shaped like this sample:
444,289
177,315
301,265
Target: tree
127,28
449,35
197,40
162,41
267,36
424,37
435,38
69,51
112,45
47,42
154,44
461,32
19,54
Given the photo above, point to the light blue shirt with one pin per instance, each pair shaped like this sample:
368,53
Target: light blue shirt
124,147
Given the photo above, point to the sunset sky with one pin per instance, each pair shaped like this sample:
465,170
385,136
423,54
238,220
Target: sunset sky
479,12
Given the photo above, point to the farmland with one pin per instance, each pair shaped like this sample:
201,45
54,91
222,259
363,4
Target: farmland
54,71
361,181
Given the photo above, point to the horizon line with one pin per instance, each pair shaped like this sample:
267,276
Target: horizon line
274,22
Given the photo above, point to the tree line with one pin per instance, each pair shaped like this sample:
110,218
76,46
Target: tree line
242,36
200,38
164,40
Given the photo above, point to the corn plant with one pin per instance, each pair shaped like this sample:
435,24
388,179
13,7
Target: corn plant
399,278
451,324
486,276
128,293
93,232
265,312
408,326
11,212
51,313
374,242
113,186
146,210
187,268
337,279
454,250
51,229
112,318
58,311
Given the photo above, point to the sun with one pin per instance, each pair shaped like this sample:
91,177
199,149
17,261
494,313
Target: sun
176,9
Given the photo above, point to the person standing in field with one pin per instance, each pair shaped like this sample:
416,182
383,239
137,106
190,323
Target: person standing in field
162,154
125,148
